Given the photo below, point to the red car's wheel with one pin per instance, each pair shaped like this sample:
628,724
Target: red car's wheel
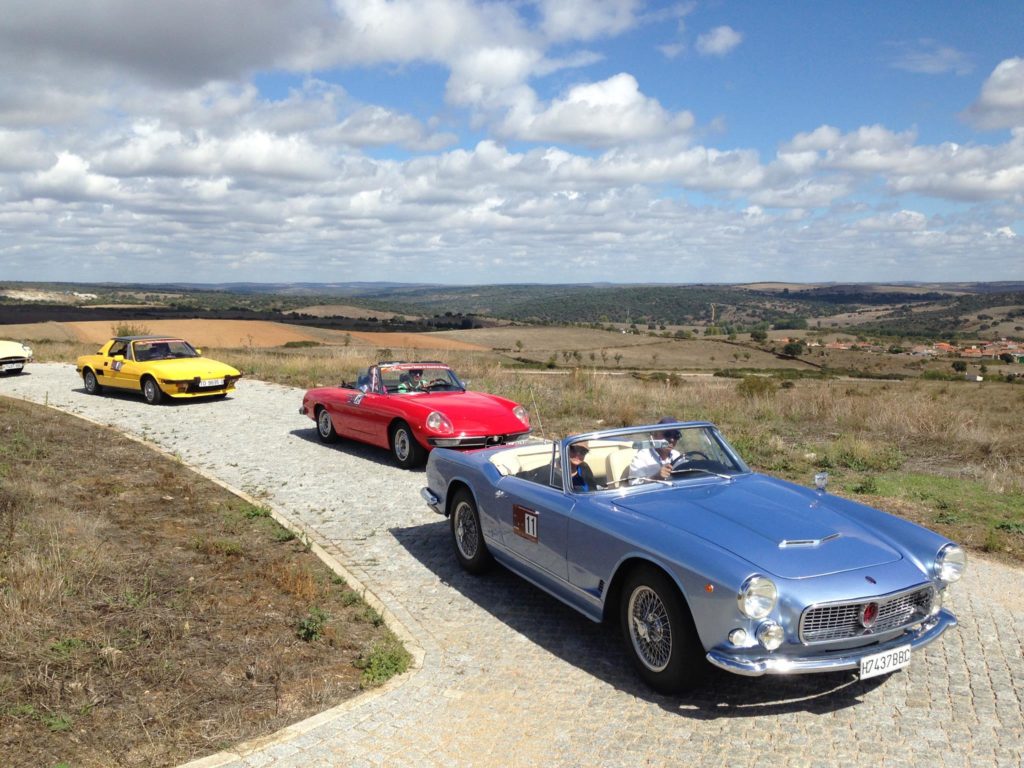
407,452
325,426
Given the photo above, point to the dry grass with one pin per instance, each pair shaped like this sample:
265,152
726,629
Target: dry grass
855,429
150,617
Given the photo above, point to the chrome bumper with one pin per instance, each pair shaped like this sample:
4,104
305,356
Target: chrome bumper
750,666
432,499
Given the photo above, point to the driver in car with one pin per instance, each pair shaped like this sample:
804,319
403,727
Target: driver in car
411,382
655,458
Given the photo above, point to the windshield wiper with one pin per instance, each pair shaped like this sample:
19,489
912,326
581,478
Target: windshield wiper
701,469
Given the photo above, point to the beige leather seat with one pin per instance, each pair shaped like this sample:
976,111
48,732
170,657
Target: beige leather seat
617,465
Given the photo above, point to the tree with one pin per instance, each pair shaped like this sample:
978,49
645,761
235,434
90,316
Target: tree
959,366
793,349
758,335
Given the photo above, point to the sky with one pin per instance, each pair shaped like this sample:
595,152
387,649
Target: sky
552,141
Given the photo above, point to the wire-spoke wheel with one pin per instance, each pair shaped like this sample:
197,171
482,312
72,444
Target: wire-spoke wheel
650,629
467,535
659,631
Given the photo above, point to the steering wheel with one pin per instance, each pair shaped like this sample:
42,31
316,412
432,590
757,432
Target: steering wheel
437,383
689,456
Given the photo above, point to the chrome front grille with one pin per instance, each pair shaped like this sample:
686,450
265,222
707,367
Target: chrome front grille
842,621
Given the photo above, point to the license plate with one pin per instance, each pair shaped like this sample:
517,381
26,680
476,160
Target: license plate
12,366
884,662
211,382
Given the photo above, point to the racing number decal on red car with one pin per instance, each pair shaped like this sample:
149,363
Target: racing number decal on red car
524,523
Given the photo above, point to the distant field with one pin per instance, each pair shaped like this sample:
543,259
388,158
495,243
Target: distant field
341,310
233,334
607,349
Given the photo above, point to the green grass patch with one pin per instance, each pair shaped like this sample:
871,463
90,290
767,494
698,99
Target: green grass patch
958,502
384,661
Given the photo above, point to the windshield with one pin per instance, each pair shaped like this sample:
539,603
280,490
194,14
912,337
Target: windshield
665,455
162,349
413,378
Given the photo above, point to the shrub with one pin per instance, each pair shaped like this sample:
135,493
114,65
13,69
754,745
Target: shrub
756,386
384,661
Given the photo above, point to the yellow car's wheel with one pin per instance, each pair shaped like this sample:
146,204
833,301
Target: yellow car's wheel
92,385
151,391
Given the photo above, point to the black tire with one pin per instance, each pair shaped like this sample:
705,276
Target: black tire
151,391
325,426
406,451
92,384
467,535
659,632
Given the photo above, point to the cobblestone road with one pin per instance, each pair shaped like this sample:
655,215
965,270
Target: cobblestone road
510,677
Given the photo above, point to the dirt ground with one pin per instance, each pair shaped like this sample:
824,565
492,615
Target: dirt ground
232,334
149,616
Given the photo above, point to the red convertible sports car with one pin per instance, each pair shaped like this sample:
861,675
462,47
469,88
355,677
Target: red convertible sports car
411,408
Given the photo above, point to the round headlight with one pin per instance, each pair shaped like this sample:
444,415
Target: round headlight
950,563
438,422
520,413
770,635
757,597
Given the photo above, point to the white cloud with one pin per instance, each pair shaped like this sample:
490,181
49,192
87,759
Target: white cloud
596,114
586,19
1001,103
930,57
719,41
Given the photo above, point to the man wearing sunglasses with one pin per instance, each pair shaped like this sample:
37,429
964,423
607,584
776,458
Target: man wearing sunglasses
654,460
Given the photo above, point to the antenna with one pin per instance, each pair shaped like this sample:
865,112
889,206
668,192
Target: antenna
536,409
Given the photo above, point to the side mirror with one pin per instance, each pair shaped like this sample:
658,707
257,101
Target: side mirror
199,351
821,480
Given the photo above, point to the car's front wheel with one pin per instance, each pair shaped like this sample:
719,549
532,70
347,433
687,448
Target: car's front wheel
659,632
92,385
406,451
467,535
325,426
151,391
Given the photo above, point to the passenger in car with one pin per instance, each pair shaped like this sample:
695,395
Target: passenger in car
580,472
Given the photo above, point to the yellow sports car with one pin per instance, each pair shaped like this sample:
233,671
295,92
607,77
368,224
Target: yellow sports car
156,366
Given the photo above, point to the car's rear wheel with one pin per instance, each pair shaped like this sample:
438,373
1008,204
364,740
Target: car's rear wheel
407,452
92,385
659,632
325,426
467,535
151,391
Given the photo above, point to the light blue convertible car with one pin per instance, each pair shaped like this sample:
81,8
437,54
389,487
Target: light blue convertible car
665,529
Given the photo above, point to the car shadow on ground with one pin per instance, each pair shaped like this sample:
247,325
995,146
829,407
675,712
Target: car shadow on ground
365,451
135,395
598,648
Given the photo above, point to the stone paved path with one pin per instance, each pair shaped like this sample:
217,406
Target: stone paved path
510,677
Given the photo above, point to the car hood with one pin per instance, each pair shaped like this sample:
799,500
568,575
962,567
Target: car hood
190,368
470,412
782,529
11,349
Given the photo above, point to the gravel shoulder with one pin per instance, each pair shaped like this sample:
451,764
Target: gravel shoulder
509,676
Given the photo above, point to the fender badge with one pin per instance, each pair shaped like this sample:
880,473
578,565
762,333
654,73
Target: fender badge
870,580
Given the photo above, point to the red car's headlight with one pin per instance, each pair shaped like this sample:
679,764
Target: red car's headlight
438,422
520,413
